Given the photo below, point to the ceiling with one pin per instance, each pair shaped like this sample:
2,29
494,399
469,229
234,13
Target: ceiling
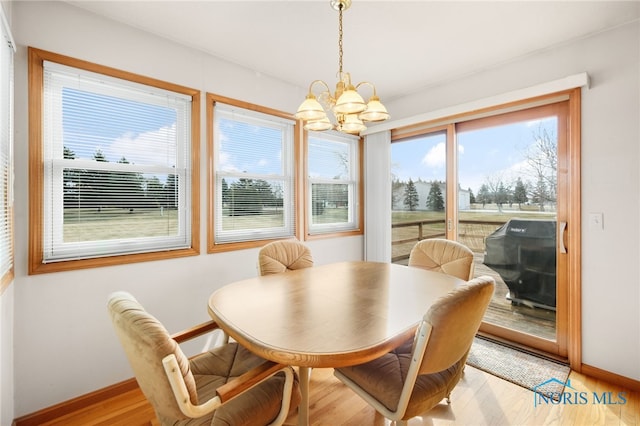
398,45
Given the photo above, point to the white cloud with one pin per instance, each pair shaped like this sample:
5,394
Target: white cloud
156,147
436,157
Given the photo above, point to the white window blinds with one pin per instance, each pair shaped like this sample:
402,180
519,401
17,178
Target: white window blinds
254,184
332,163
117,166
6,152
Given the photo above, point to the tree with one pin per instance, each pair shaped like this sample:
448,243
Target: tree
411,198
171,191
520,193
72,181
484,195
540,194
542,158
247,196
435,201
502,195
472,198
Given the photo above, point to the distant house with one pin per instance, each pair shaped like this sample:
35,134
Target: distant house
423,188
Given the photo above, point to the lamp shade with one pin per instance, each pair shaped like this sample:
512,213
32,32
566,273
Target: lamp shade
375,111
310,109
350,102
319,125
352,124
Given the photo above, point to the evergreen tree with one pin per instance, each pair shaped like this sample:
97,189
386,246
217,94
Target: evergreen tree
472,198
435,201
502,195
520,193
411,198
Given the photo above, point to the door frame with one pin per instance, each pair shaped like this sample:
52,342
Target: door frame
569,339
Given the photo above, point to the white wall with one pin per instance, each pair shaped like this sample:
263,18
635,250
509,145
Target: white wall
64,342
610,179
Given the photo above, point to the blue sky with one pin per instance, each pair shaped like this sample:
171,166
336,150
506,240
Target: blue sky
496,153
142,133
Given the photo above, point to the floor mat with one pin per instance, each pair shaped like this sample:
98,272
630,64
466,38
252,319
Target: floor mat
519,367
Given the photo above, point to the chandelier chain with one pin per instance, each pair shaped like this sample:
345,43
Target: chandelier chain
340,7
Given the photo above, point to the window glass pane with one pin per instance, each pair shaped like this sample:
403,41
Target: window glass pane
117,166
418,192
333,179
328,159
510,171
253,158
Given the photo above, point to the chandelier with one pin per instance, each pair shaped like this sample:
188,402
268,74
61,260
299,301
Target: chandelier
347,107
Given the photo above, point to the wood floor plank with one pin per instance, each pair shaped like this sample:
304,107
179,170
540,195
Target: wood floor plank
479,399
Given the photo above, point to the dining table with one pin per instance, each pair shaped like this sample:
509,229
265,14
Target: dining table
328,316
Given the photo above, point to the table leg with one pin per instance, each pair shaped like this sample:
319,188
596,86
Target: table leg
303,409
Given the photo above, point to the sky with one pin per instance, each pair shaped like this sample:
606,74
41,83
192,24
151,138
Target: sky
495,153
144,134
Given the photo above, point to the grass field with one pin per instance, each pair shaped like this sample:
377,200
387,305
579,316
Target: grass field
92,224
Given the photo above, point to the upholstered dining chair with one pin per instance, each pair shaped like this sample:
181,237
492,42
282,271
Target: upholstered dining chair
283,255
227,385
447,256
415,377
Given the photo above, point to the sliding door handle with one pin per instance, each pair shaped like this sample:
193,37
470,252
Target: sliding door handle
563,228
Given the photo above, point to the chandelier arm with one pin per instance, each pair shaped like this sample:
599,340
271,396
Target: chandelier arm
373,86
340,8
322,83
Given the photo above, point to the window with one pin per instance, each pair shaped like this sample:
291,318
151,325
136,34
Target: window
332,183
253,175
113,164
6,154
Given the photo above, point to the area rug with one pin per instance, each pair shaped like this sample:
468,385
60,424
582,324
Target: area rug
522,368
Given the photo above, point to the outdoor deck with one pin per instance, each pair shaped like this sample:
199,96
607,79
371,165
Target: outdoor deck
536,321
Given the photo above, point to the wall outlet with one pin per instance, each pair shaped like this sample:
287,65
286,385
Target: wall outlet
596,221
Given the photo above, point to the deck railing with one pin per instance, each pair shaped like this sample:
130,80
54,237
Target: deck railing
471,233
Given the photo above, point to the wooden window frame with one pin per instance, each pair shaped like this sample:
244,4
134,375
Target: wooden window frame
359,195
211,100
36,167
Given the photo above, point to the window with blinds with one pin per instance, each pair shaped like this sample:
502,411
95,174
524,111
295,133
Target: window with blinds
253,155
117,166
6,154
332,181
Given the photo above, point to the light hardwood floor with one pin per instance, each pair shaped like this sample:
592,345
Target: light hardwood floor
479,399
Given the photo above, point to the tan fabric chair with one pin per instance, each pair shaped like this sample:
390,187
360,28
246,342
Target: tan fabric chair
447,256
282,256
225,386
415,377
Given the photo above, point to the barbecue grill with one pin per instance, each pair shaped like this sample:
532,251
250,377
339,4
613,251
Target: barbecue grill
523,252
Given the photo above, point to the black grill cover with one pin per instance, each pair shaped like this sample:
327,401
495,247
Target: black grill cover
523,252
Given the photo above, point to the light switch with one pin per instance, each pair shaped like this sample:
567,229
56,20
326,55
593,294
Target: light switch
595,221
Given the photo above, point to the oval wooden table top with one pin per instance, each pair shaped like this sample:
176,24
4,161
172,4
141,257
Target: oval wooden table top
331,315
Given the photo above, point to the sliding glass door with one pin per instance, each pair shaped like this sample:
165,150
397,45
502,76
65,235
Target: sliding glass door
498,184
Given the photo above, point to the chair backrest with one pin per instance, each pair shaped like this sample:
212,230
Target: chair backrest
146,342
441,255
455,320
282,256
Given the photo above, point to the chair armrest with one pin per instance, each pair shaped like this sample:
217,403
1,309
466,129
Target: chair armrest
228,390
195,331
248,380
